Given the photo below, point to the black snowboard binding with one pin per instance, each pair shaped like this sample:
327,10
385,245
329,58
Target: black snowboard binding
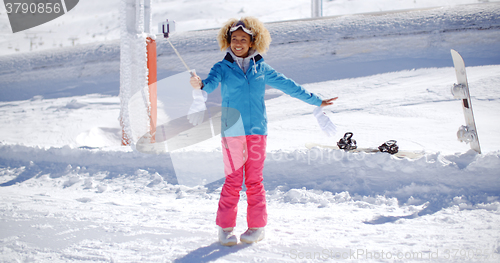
347,143
389,147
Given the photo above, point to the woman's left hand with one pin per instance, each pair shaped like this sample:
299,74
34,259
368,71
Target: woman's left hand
328,102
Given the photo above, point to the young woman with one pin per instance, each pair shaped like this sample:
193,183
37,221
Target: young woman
243,75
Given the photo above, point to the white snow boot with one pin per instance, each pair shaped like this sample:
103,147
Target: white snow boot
253,235
226,237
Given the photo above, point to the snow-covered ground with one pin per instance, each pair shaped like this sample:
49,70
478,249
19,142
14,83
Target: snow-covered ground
70,193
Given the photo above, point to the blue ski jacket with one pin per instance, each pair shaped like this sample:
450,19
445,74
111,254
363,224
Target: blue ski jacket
244,91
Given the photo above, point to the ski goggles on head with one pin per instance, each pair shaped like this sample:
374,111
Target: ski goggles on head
240,25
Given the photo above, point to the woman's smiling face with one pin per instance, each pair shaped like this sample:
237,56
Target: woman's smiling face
241,43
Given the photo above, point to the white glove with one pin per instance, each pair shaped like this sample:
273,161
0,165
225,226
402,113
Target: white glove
197,110
324,122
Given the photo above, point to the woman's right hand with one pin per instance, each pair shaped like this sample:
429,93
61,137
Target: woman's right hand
195,81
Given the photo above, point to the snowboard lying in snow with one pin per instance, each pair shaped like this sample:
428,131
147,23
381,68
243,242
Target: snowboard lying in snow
349,145
399,154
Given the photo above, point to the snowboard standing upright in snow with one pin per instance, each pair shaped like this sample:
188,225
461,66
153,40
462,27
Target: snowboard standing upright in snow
467,133
243,76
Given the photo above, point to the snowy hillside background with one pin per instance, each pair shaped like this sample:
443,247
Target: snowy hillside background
94,21
70,193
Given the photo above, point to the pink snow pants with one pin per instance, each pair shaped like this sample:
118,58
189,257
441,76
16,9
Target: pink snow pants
243,158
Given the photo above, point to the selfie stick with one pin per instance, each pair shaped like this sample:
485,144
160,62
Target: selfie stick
165,28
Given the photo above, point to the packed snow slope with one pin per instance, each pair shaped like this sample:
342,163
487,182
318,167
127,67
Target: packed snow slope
71,193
